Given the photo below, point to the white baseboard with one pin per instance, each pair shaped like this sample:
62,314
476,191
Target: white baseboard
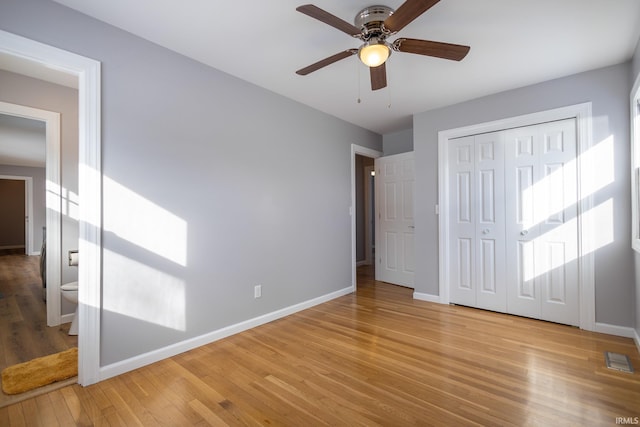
621,331
361,263
636,338
426,297
136,362
66,318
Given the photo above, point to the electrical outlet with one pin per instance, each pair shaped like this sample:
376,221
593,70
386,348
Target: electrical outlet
257,291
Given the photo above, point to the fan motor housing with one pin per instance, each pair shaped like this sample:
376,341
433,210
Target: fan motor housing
370,19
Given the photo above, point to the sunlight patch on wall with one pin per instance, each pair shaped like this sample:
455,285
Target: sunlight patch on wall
61,200
142,292
143,223
599,158
599,219
70,204
53,196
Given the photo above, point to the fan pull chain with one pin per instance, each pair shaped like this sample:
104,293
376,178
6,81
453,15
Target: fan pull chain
358,72
389,94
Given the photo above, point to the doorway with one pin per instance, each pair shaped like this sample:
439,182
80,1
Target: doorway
87,71
16,229
49,158
362,200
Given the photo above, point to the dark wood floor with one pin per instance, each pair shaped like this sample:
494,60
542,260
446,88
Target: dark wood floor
375,357
24,334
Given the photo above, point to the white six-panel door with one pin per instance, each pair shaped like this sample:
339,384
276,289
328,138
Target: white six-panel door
394,186
542,222
477,233
512,226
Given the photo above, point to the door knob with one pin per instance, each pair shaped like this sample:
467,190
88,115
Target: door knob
412,226
524,232
486,231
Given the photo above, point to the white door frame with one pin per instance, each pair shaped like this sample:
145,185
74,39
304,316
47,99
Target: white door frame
586,228
28,210
89,188
374,154
53,202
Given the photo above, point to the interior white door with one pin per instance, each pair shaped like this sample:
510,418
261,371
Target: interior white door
541,226
477,234
462,264
394,187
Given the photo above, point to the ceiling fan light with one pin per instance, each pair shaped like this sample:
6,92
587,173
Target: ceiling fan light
374,54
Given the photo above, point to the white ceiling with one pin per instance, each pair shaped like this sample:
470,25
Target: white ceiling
513,44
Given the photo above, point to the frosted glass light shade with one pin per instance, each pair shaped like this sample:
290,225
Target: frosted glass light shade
373,55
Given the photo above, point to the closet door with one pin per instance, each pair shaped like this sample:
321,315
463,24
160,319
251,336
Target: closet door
491,291
541,222
477,257
462,229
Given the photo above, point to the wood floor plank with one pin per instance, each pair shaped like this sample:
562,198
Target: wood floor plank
375,357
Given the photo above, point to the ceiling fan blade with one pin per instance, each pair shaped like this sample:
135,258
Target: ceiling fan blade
378,77
327,18
327,61
455,52
407,12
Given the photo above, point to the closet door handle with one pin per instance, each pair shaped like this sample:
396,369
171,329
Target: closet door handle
486,231
524,232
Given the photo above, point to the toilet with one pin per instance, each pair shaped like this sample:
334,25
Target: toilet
70,293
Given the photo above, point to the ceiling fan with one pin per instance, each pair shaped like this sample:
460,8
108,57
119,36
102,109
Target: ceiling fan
373,25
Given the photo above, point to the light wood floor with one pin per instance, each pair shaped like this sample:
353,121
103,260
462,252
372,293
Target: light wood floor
376,357
24,334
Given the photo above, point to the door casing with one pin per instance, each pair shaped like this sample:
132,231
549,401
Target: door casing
89,188
53,202
374,154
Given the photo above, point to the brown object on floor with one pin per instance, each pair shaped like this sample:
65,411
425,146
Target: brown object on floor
39,372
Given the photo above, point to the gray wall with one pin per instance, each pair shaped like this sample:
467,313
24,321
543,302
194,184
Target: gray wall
635,63
39,208
208,188
22,90
608,90
397,142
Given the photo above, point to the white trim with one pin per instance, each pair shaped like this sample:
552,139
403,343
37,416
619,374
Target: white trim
586,231
136,362
634,99
426,297
636,338
90,190
53,201
28,200
367,152
620,331
67,318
